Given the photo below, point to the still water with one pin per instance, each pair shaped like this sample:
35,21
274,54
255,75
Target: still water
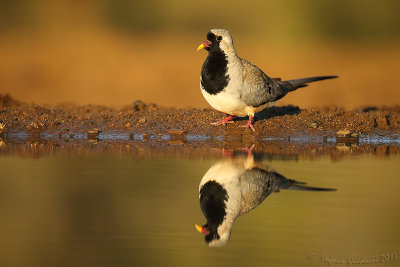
113,209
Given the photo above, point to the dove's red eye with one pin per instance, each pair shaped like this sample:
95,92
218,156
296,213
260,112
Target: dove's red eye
219,38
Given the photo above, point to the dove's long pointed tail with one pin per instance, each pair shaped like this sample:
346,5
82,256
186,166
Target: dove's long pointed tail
289,184
303,82
300,187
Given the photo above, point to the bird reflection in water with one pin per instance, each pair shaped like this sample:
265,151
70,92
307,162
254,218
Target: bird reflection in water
235,186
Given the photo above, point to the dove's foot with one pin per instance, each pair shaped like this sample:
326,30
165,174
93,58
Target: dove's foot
249,123
224,121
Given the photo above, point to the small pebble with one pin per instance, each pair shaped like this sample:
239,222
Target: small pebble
342,147
128,125
142,120
343,133
139,105
93,134
176,132
93,141
346,137
93,131
2,128
37,126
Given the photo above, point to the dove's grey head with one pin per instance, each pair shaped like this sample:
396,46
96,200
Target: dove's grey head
219,39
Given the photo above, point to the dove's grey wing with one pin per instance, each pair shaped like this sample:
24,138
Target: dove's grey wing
255,185
259,89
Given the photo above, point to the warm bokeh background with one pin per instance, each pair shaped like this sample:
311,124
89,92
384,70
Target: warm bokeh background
113,52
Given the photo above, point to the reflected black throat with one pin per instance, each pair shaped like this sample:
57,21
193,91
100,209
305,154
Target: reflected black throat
212,202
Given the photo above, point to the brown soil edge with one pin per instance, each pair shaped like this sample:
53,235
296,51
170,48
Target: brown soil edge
285,130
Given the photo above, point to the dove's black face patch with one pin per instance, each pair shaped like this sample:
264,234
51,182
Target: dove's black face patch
213,73
212,203
212,235
215,40
210,36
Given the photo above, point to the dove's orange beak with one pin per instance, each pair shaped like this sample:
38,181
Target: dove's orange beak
202,230
204,45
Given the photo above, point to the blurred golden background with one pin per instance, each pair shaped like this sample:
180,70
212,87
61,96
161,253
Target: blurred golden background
112,52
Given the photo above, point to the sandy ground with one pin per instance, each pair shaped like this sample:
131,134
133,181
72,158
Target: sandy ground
144,118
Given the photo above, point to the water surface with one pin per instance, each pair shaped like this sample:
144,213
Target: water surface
113,209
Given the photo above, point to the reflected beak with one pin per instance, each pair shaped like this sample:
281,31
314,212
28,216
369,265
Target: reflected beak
204,45
202,230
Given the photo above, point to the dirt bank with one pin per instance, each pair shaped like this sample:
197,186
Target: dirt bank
143,118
